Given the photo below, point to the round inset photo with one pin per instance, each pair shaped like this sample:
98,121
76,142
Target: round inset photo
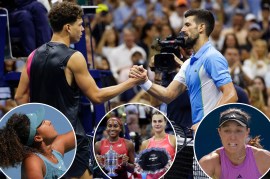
36,141
134,140
232,141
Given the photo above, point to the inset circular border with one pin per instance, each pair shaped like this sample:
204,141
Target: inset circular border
121,106
207,139
61,125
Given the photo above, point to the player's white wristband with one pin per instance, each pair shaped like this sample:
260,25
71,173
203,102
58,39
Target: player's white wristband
146,85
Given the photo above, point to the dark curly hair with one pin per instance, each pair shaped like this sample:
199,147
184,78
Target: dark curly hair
13,139
64,13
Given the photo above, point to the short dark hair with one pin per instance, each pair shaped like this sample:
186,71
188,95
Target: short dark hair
202,16
64,13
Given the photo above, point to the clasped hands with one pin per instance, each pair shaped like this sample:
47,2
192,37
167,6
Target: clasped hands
138,73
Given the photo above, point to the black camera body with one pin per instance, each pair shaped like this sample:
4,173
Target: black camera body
164,62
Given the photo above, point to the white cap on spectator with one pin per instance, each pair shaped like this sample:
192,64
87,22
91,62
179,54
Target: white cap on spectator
138,49
250,17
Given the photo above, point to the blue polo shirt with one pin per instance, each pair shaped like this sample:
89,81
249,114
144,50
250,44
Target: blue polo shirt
203,74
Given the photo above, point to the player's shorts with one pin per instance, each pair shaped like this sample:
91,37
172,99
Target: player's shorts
82,160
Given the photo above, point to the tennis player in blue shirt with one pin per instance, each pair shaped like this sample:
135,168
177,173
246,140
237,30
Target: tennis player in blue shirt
205,74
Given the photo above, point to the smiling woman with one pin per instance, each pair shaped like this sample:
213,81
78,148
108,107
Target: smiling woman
122,149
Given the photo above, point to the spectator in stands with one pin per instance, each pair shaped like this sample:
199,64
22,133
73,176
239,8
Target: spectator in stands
256,99
149,9
215,38
149,33
177,17
108,79
166,30
254,33
132,118
91,50
108,42
138,23
260,84
195,4
121,55
30,18
237,28
113,4
123,15
258,63
233,7
250,19
254,7
138,58
265,22
7,93
230,40
103,18
239,76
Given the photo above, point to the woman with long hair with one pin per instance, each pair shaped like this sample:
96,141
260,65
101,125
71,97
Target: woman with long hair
32,141
257,100
160,139
230,41
259,82
258,63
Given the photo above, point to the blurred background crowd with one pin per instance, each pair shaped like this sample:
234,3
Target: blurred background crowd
121,33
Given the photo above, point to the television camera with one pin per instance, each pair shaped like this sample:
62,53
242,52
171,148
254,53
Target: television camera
164,61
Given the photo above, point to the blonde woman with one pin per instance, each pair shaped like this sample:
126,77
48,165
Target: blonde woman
256,100
258,63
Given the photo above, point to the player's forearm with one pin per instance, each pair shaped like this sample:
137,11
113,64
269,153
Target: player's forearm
161,93
105,94
21,99
229,97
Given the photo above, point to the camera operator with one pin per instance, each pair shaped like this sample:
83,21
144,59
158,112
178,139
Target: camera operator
205,74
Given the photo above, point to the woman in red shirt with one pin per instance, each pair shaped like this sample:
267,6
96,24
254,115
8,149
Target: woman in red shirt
123,147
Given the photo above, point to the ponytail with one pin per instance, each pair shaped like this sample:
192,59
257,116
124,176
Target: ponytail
255,142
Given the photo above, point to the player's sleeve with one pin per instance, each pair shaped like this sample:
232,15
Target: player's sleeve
217,67
181,75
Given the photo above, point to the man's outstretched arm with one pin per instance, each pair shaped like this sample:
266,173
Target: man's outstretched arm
86,83
167,94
